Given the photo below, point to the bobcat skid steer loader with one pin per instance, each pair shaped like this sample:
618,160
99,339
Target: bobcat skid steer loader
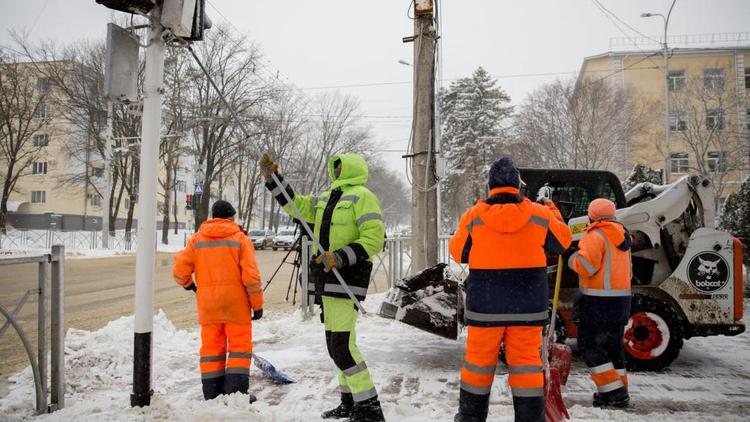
687,275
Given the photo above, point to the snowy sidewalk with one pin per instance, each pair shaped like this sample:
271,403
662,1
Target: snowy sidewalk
416,374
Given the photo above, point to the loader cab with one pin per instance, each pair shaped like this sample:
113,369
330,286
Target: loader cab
572,190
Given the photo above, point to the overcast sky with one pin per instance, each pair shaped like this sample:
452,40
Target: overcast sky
344,42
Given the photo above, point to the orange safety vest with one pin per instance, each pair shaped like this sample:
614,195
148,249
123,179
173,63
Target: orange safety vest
603,260
226,274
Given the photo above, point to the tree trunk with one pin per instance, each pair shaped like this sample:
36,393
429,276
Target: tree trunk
174,210
129,220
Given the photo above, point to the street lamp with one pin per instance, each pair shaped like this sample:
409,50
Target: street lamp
668,160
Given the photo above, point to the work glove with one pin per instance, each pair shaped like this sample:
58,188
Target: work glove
192,287
567,254
257,314
330,260
267,166
544,200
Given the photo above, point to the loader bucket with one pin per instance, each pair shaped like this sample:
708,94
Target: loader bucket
431,300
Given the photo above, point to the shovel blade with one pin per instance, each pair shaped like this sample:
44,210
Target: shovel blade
270,371
554,406
560,358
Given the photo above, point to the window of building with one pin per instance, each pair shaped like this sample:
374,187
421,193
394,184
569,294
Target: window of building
747,119
42,86
40,140
127,203
39,167
717,161
747,78
679,162
715,119
181,186
38,197
676,80
97,171
95,200
42,111
713,79
677,120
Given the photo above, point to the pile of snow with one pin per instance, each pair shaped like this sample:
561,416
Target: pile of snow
417,375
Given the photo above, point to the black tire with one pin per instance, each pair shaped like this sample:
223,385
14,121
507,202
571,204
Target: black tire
644,334
275,248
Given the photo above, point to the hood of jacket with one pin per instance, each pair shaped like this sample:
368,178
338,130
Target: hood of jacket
615,232
504,218
353,170
219,228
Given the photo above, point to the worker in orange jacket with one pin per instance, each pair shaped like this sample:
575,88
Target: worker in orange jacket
602,305
227,283
503,239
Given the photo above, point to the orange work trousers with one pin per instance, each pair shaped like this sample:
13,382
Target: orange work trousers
225,349
522,352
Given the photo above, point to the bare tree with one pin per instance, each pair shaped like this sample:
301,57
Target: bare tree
578,124
23,111
701,125
231,62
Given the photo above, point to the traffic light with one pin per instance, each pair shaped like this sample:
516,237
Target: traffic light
189,202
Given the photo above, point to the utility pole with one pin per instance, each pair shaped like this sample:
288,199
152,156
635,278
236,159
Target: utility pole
106,207
424,185
149,172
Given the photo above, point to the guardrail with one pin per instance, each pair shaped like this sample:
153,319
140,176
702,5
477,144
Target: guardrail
56,263
22,239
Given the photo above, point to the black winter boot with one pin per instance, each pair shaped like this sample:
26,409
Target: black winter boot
619,399
528,409
344,409
236,383
367,411
212,387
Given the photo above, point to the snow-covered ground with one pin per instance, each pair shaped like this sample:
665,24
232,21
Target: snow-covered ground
416,374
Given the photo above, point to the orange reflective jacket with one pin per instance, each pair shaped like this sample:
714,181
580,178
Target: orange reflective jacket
603,260
226,273
504,239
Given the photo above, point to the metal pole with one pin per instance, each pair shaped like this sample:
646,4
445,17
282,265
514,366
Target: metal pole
668,169
41,332
146,234
108,177
57,337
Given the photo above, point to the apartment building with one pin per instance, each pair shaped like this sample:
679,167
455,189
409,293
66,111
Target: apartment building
709,97
54,191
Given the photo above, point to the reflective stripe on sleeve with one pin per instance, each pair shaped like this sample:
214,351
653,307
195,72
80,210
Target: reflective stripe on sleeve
539,221
350,255
353,198
586,264
217,244
368,217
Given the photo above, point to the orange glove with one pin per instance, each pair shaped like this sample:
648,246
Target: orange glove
329,260
267,166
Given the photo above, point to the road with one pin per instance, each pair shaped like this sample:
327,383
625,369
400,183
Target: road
99,290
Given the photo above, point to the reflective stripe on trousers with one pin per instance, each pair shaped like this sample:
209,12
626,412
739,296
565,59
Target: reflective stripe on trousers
606,378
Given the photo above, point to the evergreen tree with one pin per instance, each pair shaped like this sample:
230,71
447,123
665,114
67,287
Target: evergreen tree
474,112
641,173
735,217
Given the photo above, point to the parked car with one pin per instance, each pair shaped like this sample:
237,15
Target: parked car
285,240
261,238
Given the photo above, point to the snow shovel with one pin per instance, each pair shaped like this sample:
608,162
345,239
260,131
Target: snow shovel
270,371
554,406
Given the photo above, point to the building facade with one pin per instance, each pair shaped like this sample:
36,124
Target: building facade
709,109
62,189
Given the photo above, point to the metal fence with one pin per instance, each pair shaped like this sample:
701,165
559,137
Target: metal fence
74,240
56,389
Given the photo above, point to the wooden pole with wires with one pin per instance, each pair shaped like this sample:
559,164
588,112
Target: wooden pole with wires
424,225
